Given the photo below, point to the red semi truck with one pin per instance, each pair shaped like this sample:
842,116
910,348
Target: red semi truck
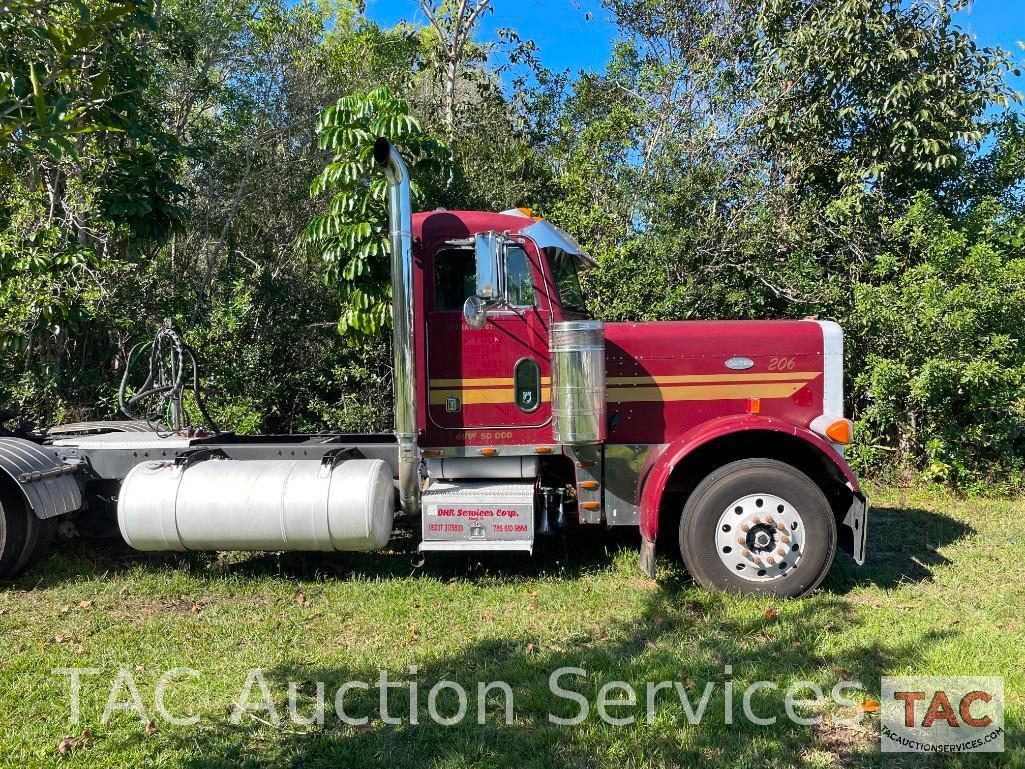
516,414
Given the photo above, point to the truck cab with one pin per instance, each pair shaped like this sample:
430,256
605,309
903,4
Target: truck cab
680,402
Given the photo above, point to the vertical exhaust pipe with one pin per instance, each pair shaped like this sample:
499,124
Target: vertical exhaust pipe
400,215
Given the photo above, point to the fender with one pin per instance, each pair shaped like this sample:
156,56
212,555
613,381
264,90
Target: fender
48,484
663,464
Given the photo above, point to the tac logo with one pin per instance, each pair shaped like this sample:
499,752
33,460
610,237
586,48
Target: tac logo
942,714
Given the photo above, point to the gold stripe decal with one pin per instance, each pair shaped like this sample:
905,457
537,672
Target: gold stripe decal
625,389
491,381
790,376
714,392
479,396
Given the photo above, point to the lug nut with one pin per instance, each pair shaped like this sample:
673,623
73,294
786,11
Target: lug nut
756,519
747,553
771,560
781,552
745,527
768,519
781,527
786,538
758,561
740,540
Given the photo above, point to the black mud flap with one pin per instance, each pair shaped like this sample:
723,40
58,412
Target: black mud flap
646,560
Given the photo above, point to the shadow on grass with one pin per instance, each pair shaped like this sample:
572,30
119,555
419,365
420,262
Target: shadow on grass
569,554
682,635
903,546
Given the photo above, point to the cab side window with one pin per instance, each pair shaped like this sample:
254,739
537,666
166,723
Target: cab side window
519,281
454,278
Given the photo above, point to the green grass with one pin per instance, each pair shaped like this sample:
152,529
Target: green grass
942,593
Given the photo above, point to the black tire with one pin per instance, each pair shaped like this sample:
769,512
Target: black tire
13,534
700,521
38,540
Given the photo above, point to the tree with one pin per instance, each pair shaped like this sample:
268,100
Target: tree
352,236
453,21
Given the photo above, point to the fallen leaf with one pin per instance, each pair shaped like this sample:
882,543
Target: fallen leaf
414,637
489,618
85,605
844,674
650,645
719,656
870,706
68,744
299,597
770,613
151,728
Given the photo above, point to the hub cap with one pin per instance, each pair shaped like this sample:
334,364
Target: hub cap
760,537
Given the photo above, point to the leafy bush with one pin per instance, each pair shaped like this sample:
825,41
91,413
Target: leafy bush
942,379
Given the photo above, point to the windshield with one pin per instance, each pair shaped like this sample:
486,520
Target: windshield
566,268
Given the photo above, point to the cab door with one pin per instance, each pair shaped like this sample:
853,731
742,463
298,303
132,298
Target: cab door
494,378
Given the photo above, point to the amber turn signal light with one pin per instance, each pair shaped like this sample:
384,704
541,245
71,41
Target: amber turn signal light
840,431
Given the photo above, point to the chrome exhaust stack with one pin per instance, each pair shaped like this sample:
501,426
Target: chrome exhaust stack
400,215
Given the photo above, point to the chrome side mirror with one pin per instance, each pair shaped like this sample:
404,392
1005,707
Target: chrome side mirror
487,248
475,312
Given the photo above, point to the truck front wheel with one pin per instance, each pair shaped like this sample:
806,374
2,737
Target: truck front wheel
758,526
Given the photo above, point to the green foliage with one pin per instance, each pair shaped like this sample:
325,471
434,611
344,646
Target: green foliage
943,379
872,95
56,82
351,237
734,159
88,173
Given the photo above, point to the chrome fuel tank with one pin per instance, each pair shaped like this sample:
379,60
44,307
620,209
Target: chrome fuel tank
223,504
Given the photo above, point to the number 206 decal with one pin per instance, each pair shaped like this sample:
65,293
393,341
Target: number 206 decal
781,364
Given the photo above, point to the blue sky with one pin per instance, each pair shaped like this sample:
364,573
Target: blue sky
578,35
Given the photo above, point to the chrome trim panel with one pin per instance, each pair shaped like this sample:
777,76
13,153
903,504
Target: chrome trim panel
492,468
48,484
832,367
624,464
476,547
588,474
547,235
857,521
500,451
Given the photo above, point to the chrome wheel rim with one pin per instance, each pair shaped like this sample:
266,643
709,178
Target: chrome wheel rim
760,537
